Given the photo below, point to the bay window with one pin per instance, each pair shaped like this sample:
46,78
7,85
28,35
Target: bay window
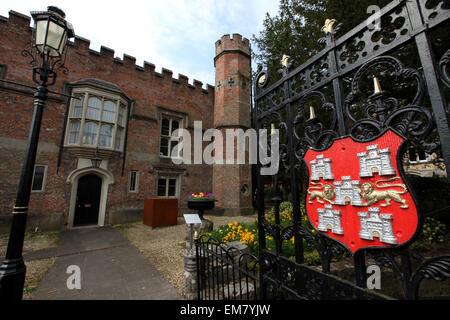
97,119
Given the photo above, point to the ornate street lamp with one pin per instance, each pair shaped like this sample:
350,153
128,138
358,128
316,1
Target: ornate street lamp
47,52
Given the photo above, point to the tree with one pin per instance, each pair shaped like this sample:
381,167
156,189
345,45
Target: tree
297,28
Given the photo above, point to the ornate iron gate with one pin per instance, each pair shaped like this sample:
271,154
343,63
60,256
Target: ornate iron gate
330,97
224,272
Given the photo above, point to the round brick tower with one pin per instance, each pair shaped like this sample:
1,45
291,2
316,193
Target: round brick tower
232,182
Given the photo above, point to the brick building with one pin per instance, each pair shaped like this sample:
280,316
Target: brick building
124,114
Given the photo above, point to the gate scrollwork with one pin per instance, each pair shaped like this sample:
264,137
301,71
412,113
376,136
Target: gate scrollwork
326,99
383,110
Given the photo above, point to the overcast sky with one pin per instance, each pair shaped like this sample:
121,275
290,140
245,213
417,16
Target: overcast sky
178,35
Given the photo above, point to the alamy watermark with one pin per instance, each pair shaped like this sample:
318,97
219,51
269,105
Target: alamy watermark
74,280
374,280
241,147
374,22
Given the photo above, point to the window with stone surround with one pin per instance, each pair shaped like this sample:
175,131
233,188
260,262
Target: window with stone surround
133,182
169,142
167,186
417,156
96,119
39,178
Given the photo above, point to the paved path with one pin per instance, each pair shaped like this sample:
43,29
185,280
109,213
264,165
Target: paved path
111,269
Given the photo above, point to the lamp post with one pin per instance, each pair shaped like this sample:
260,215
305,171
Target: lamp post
50,35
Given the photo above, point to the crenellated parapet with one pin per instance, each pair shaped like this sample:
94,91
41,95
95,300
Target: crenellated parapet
17,19
232,44
81,46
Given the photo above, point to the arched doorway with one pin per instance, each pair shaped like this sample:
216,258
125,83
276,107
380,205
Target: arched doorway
88,200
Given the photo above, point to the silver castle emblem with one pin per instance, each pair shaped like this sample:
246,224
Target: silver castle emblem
374,158
374,224
330,219
321,167
347,191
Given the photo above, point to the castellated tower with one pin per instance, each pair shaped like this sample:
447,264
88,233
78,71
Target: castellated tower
232,182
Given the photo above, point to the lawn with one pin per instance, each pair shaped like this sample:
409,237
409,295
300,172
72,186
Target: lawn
36,269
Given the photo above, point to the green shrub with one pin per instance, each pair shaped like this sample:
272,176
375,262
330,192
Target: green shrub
312,258
268,192
431,193
434,232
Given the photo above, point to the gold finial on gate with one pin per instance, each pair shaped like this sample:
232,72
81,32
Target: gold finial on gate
262,79
312,113
329,26
376,84
285,61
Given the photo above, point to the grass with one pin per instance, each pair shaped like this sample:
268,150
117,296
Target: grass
36,269
33,241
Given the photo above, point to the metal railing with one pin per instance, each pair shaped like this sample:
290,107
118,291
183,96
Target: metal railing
225,272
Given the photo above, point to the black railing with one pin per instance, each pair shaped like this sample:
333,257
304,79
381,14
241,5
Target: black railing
225,272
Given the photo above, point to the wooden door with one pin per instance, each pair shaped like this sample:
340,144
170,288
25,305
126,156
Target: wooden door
88,200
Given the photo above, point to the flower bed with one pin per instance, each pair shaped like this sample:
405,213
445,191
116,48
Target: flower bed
434,234
248,234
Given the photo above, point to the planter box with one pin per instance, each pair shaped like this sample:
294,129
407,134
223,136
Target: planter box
201,205
160,212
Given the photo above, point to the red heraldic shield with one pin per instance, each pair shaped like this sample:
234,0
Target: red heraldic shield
357,196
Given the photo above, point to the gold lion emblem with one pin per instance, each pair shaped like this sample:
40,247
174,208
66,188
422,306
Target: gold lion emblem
327,194
369,193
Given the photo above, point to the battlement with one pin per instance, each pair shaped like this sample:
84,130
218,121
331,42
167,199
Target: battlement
236,43
106,55
17,19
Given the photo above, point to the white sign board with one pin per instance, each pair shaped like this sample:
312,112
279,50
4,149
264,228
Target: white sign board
192,218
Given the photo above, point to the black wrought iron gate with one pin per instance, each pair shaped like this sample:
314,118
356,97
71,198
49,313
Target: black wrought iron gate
331,96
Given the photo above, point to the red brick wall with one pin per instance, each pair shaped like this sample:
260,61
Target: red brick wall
149,89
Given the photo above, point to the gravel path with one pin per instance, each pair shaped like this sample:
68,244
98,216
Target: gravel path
164,247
